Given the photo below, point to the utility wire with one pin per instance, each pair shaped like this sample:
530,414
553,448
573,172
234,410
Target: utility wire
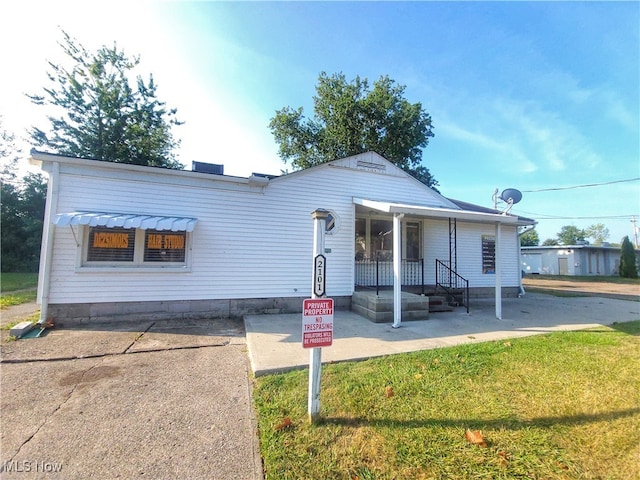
544,216
581,186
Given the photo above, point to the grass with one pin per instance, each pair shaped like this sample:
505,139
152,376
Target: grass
17,288
10,282
557,406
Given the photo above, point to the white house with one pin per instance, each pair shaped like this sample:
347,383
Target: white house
572,260
127,241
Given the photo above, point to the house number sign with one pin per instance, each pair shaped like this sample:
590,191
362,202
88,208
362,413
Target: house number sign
319,270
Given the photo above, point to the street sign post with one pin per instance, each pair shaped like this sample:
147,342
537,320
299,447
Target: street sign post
318,291
317,322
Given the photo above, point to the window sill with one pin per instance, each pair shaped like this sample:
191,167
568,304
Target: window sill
134,269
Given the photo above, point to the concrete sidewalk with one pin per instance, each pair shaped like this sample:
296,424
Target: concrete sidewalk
274,341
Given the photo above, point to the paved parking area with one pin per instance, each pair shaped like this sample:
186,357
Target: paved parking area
148,401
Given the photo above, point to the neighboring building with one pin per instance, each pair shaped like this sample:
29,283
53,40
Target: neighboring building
572,260
139,242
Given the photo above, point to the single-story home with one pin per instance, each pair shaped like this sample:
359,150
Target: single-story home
572,260
134,242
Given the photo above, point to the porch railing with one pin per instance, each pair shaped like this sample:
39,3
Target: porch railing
455,286
379,273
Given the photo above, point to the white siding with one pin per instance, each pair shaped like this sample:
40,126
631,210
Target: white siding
250,242
469,251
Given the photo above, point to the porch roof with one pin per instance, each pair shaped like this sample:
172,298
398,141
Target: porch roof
439,212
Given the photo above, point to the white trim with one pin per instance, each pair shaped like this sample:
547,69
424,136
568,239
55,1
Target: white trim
434,212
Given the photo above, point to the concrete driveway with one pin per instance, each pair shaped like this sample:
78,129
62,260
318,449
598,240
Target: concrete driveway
155,400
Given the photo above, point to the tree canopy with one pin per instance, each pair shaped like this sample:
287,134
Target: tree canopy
22,211
351,118
100,115
571,235
530,238
598,232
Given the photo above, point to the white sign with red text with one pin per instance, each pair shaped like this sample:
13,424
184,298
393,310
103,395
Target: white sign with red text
317,322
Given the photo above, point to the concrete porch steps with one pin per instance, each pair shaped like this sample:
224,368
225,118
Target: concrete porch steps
379,308
439,304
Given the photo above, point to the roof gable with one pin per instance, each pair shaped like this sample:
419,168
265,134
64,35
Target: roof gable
368,163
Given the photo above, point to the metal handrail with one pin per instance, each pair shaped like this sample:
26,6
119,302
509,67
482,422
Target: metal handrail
451,282
379,273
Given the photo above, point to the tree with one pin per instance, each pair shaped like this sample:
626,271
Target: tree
571,235
101,116
21,212
351,118
530,238
598,232
550,242
628,268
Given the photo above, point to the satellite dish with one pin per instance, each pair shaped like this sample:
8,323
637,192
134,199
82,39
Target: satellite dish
511,196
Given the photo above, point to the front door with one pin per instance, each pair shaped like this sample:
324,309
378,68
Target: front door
563,266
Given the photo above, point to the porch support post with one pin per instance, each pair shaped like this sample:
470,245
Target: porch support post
397,270
498,260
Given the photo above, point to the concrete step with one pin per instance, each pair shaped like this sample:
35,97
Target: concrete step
379,307
439,303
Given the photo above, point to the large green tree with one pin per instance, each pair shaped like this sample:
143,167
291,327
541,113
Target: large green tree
628,267
351,118
99,114
571,235
530,238
21,211
598,232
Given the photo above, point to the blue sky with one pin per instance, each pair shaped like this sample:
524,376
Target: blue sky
523,95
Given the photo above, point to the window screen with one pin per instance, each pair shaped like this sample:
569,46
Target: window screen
111,244
163,246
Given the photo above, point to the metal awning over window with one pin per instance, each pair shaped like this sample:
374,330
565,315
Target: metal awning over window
126,220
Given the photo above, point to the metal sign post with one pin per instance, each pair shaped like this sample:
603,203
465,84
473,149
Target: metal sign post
318,288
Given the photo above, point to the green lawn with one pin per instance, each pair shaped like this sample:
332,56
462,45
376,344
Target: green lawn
17,288
10,282
557,406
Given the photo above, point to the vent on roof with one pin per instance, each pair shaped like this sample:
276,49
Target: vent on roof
371,165
202,167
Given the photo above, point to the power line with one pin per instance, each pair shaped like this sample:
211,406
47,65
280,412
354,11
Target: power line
581,186
544,216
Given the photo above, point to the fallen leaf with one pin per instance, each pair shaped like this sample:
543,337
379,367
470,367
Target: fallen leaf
502,457
418,376
507,344
286,423
388,392
475,437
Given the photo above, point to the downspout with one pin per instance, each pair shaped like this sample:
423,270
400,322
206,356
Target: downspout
521,291
46,252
